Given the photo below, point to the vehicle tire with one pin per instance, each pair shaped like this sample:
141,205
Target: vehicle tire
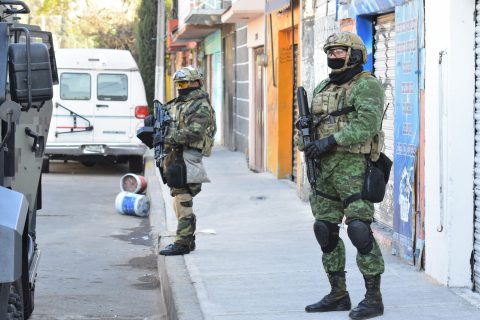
135,164
46,165
27,290
15,301
88,163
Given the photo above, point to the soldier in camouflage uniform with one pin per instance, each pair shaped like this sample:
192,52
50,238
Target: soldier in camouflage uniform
347,108
190,134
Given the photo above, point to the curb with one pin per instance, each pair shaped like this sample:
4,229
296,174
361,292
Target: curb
176,287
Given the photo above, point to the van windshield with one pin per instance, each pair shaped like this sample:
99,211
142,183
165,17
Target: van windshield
75,86
112,87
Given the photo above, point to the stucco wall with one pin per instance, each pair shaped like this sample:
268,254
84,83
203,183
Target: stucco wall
449,137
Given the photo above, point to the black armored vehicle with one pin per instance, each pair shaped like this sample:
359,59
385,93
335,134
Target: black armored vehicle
27,75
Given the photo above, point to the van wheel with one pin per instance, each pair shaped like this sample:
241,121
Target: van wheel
46,165
135,164
88,163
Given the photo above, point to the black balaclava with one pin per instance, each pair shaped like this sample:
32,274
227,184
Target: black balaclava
335,63
184,92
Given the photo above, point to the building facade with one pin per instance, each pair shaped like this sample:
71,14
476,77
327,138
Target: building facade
255,54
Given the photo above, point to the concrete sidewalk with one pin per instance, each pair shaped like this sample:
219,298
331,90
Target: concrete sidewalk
257,257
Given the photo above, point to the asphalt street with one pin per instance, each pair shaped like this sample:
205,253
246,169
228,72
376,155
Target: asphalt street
95,263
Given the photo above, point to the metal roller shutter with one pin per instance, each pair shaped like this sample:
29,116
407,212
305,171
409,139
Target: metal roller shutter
476,268
384,70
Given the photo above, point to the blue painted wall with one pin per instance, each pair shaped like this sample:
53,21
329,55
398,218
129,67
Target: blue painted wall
366,7
365,31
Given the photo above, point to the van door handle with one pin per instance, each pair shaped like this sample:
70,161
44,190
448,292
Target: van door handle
102,105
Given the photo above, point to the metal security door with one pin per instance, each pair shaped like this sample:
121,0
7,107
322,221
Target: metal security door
295,111
476,246
384,70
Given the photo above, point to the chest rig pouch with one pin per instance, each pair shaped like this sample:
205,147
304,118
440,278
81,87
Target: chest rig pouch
328,108
331,108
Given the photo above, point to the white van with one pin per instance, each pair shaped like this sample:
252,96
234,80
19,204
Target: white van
97,108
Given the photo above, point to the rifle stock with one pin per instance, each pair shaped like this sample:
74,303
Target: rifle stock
304,124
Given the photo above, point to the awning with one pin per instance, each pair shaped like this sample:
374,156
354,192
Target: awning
191,32
243,11
275,5
206,17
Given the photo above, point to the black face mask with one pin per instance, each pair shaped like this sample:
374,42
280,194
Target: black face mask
335,63
183,92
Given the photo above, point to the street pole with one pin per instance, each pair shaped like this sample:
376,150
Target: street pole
160,54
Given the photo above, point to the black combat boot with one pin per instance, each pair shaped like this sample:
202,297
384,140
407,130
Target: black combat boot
191,246
372,305
337,300
174,249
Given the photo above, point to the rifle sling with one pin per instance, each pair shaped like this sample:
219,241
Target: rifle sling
342,111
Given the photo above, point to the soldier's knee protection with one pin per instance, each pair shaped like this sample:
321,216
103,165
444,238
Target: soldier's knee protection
361,236
326,234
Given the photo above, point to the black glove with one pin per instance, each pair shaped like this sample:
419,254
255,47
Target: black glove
149,120
317,148
158,138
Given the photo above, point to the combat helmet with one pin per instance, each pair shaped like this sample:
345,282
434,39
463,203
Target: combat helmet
188,73
356,50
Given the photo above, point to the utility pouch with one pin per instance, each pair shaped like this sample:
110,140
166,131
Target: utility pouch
376,178
176,173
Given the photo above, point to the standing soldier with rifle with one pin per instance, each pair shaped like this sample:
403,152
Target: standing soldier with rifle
346,116
183,132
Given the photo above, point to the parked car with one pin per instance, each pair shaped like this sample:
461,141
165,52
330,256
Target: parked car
97,108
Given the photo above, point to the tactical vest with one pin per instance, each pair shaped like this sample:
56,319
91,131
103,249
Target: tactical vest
177,112
330,108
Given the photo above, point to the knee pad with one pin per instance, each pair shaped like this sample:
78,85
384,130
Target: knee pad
361,236
326,234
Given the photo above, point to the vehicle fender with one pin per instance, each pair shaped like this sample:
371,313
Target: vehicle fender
13,214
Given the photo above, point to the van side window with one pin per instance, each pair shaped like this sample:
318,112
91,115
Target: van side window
112,87
75,86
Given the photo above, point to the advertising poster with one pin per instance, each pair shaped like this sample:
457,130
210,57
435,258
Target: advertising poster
407,127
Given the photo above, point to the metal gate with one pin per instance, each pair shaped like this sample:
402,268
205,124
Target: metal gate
384,70
476,245
295,111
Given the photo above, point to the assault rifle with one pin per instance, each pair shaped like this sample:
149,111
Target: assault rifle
304,124
154,132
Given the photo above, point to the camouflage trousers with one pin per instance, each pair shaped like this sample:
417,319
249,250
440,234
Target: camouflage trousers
183,207
342,175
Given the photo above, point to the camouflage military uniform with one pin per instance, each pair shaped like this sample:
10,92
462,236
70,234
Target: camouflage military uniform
192,117
347,112
341,173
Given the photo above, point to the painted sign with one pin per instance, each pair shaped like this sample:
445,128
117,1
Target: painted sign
407,127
